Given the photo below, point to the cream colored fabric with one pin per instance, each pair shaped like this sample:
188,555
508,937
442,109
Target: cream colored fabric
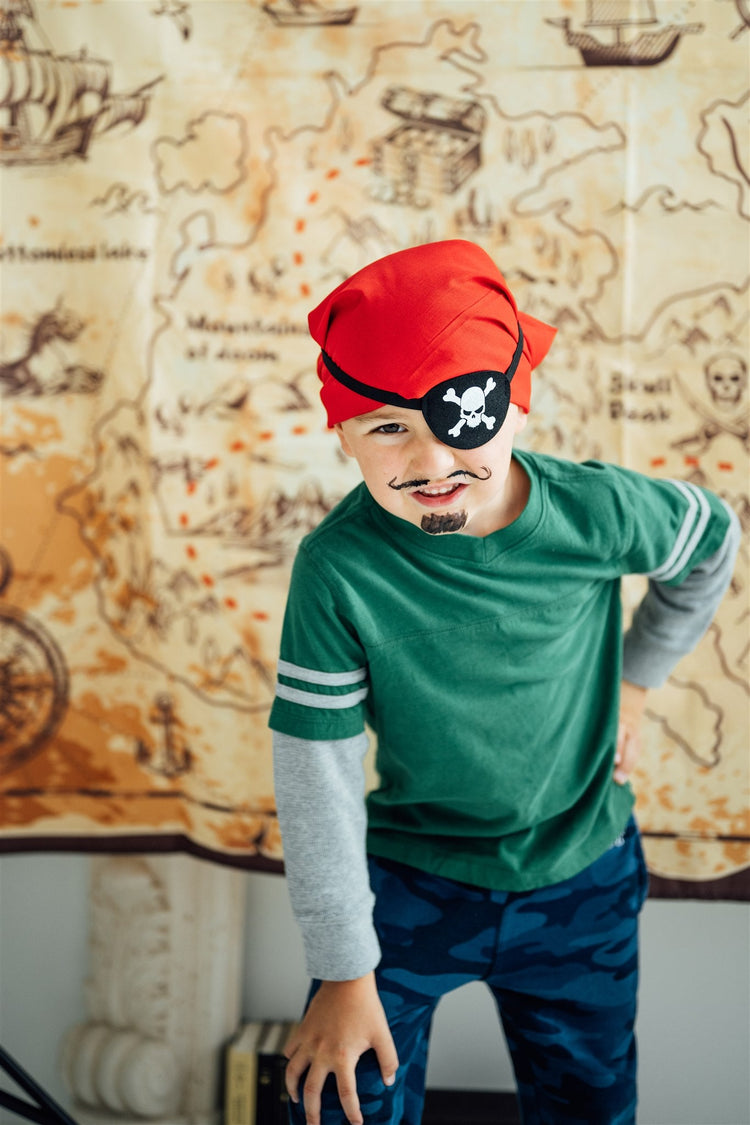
204,173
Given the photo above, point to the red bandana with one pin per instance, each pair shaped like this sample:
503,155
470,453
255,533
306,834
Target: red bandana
421,317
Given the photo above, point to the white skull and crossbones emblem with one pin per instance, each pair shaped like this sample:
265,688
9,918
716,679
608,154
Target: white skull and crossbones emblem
472,404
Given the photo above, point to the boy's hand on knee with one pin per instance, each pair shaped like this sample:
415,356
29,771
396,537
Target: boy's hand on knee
344,1019
632,704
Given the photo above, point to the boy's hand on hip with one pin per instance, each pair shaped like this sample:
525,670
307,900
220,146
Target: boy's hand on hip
344,1019
632,704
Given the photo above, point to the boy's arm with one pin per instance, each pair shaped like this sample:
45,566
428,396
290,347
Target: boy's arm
671,619
667,625
320,800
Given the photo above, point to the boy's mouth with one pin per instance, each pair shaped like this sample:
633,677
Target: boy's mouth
438,496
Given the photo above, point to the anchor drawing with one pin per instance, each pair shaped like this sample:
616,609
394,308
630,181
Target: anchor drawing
172,759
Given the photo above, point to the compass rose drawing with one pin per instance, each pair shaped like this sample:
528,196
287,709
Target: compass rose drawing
33,681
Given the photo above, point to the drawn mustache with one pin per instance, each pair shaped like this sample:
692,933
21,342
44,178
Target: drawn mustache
458,473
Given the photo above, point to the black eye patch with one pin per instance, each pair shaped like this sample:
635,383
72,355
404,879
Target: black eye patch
465,411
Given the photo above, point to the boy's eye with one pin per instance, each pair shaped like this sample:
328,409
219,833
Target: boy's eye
389,428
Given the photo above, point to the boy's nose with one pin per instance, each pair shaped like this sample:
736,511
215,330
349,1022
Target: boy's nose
432,460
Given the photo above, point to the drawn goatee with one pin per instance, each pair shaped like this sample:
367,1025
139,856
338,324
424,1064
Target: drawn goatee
438,524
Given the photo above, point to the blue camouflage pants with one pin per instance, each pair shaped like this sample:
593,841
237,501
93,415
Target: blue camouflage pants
561,963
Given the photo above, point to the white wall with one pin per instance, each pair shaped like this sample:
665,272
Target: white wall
694,1024
43,927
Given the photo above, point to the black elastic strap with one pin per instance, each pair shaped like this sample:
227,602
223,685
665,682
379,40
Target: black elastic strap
389,397
393,399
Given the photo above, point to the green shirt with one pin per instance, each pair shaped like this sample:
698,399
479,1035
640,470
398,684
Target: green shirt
489,667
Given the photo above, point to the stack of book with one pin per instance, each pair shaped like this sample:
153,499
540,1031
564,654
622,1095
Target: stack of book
255,1092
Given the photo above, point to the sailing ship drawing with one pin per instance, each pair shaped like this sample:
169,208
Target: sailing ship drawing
635,36
53,104
308,13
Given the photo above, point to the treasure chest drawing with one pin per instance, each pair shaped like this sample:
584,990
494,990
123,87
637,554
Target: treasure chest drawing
437,145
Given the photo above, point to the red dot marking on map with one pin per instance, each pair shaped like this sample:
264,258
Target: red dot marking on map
300,225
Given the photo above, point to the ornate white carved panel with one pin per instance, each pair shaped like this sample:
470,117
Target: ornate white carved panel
163,992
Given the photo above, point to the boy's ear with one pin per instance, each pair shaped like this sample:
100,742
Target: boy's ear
521,420
346,448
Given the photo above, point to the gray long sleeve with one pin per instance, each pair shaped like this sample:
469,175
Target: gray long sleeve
321,805
671,620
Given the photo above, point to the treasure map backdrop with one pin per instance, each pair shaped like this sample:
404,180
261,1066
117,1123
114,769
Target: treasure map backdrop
182,180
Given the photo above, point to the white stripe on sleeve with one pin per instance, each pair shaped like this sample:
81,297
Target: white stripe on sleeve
326,679
320,700
693,525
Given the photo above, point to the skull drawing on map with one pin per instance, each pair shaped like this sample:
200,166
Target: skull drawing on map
726,379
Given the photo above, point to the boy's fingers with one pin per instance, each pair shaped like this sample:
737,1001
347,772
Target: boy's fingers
347,1088
347,1091
628,746
294,1069
387,1060
312,1089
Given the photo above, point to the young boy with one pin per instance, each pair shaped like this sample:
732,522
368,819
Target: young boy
464,601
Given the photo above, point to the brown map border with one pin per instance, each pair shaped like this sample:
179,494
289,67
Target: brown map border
729,888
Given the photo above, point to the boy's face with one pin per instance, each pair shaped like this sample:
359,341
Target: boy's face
414,476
